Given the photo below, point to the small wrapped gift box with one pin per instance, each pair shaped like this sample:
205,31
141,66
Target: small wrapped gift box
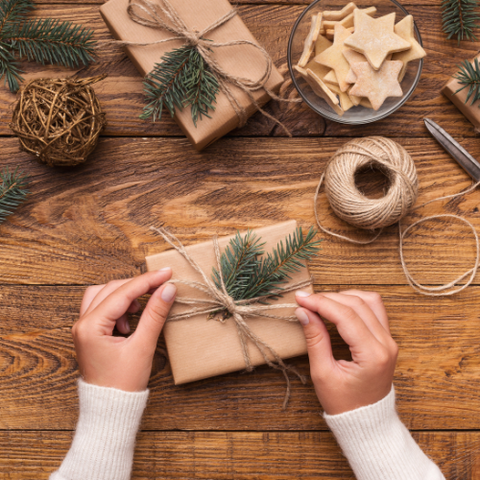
238,60
201,347
471,112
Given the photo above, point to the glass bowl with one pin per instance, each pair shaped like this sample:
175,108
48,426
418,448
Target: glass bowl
356,115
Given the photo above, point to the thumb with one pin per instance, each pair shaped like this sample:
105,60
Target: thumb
154,316
318,340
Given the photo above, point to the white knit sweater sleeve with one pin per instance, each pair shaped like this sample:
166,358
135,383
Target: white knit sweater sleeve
378,446
104,441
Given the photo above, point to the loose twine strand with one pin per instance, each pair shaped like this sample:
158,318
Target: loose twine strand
219,300
144,12
356,209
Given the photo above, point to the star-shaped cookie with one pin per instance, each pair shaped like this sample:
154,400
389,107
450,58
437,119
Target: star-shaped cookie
405,29
333,57
375,38
377,85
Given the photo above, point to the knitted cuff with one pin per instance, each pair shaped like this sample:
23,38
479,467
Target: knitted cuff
378,446
104,441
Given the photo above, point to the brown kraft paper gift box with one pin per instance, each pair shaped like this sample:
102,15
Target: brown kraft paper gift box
239,60
199,347
471,112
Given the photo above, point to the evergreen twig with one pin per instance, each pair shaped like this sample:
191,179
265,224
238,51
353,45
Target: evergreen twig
460,19
181,80
12,191
248,275
52,41
469,76
41,40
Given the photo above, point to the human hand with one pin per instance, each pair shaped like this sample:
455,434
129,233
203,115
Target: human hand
361,320
124,363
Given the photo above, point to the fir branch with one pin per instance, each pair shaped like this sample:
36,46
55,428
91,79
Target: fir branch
12,192
286,259
181,80
238,263
246,275
10,69
469,76
51,41
460,18
14,11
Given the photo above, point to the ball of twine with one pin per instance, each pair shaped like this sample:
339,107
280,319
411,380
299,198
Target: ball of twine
354,207
367,213
59,120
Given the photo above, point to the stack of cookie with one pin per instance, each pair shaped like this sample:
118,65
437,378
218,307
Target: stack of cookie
365,63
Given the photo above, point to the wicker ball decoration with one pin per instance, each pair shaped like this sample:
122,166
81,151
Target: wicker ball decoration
59,120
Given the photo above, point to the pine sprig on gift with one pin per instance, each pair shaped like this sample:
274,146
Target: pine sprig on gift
469,77
248,275
41,40
460,18
181,80
12,192
239,263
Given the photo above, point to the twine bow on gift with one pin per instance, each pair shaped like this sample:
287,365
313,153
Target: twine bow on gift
144,12
219,301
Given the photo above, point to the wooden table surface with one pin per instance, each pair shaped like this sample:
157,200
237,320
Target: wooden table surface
90,225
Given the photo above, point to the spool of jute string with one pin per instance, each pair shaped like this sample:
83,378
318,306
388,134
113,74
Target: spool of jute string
374,214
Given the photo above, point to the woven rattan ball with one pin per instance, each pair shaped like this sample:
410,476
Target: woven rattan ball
59,120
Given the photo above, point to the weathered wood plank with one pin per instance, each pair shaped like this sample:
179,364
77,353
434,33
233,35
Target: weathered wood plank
121,93
91,224
233,455
437,378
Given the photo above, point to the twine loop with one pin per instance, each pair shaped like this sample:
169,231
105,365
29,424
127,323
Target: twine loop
219,300
352,206
145,12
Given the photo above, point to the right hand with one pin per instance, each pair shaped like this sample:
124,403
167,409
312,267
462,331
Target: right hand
124,363
361,320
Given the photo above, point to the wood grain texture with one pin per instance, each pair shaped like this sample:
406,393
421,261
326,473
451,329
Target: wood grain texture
121,93
436,378
91,224
232,455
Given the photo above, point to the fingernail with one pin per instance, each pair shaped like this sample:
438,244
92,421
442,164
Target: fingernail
302,317
164,269
301,293
168,293
127,326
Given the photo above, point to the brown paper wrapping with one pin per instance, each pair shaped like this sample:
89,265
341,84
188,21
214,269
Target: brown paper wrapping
471,112
238,60
201,348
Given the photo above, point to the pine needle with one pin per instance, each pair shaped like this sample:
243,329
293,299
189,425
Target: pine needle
248,275
460,19
12,192
469,77
181,80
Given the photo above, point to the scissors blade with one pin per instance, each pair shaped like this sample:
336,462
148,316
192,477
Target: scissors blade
464,159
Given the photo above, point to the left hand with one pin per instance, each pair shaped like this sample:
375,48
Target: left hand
124,363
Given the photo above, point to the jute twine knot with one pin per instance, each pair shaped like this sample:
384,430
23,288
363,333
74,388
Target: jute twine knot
219,300
146,12
59,120
374,214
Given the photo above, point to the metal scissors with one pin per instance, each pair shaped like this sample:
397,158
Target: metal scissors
464,159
